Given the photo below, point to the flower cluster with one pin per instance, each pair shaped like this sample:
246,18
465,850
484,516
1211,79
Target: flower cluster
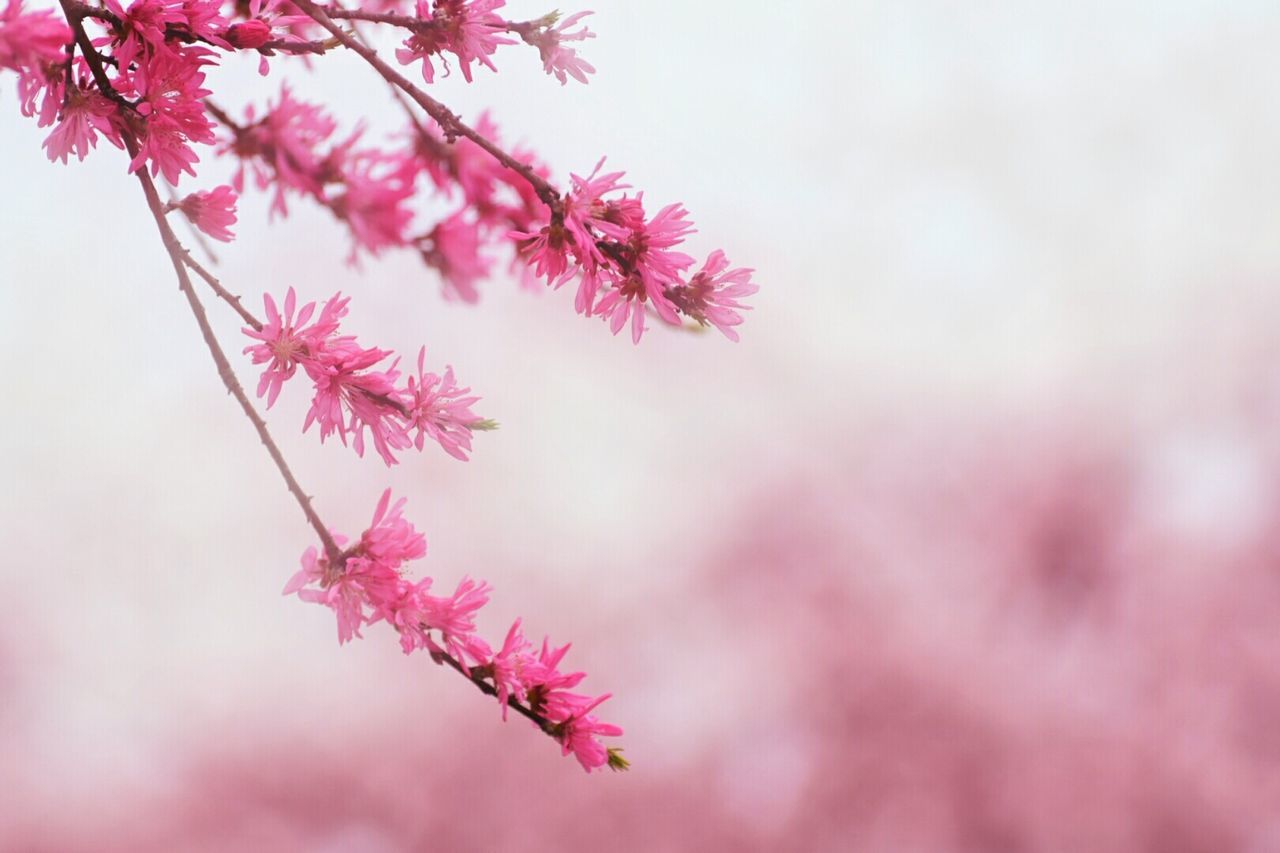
625,260
354,394
365,585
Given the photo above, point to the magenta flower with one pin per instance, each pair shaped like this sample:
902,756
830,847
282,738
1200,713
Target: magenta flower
351,397
440,410
142,30
85,114
711,296
212,211
282,149
454,617
375,204
578,733
466,28
455,252
390,539
288,342
558,59
171,87
651,268
508,667
32,44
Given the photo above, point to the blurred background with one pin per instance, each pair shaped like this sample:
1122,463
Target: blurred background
972,544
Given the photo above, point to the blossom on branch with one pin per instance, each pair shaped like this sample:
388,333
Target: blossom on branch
352,394
212,211
369,587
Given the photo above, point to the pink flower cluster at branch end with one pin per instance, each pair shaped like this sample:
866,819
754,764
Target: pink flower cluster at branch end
369,587
354,392
626,261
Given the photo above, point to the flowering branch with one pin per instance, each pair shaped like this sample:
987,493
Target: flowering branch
139,84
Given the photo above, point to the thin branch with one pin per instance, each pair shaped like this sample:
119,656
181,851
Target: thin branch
488,689
177,256
223,294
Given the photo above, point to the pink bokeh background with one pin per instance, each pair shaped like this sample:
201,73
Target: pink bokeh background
973,543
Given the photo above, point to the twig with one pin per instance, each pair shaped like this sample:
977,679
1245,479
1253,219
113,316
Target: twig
176,255
223,294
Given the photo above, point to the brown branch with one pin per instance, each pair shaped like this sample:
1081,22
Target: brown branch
223,294
178,257
488,689
408,22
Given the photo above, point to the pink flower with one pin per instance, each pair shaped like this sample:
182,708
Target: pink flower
466,28
345,592
455,252
355,594
287,342
544,683
578,733
282,147
33,45
508,667
352,397
546,250
368,587
141,32
454,617
651,267
85,114
584,212
558,59
440,410
31,39
711,296
175,116
212,211
375,203
204,19
390,539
